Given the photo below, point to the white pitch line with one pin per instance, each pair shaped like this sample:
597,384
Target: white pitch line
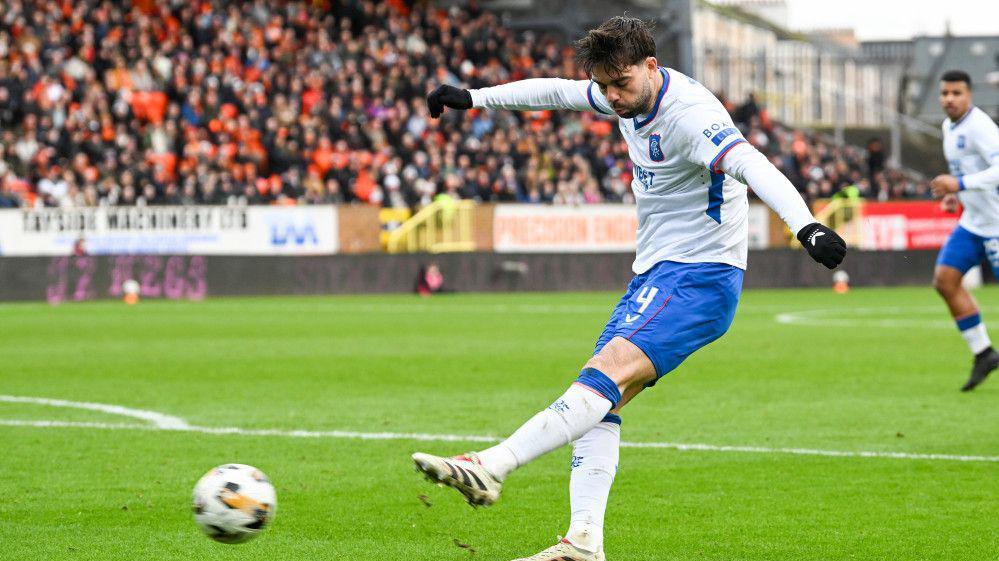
345,434
869,317
160,420
445,307
72,424
811,452
427,437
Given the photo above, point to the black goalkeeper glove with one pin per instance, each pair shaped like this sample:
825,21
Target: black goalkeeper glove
448,96
823,244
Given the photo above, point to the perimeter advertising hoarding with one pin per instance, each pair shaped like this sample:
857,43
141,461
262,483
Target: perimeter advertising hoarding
598,228
905,225
174,230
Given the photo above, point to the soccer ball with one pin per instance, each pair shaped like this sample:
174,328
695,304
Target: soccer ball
131,286
234,502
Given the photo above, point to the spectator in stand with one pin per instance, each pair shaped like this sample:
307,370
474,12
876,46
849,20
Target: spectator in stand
875,157
748,111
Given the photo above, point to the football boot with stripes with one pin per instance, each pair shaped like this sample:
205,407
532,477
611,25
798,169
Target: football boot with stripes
463,473
565,551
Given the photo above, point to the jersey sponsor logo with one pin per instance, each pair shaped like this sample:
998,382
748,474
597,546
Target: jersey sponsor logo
656,149
645,177
960,141
713,129
718,138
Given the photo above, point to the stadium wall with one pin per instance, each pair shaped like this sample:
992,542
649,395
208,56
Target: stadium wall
327,230
71,278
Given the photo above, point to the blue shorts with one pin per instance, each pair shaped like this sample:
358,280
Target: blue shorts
673,309
964,250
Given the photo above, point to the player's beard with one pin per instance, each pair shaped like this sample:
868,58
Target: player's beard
643,104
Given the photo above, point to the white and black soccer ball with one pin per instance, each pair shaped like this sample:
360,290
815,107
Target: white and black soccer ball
131,286
234,502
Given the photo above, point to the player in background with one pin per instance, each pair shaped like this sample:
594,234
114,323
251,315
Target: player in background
971,146
691,169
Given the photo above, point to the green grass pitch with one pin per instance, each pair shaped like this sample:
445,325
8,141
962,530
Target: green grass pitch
874,370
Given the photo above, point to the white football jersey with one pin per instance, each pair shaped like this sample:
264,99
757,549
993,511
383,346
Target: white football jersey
688,211
971,145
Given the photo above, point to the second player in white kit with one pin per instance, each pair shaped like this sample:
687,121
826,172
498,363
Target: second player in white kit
971,145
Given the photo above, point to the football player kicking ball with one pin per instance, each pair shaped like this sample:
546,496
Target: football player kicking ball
691,170
971,145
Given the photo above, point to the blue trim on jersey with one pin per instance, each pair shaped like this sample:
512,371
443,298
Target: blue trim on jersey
721,136
960,184
611,418
963,117
655,108
593,104
716,196
713,166
969,322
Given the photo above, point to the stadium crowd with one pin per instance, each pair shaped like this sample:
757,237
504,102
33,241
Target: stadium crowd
257,102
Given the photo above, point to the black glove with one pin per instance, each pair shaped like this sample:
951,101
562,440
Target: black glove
448,96
823,244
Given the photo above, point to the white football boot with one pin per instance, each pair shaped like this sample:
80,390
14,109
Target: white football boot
463,473
565,551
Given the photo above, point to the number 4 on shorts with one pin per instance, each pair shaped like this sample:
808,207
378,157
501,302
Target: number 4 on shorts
644,297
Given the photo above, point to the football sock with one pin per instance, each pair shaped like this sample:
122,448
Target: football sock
973,331
594,465
581,407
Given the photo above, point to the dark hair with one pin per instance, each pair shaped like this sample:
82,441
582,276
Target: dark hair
617,44
956,76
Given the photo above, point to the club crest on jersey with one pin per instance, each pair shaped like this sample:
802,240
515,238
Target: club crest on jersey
656,149
960,141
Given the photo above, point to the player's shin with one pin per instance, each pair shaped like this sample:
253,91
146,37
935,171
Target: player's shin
581,407
594,465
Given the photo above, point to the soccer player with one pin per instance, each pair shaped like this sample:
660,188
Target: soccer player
691,169
971,145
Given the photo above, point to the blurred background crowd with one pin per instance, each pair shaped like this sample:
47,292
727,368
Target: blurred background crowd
257,102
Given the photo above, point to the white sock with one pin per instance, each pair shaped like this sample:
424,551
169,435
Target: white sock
977,338
594,465
567,419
